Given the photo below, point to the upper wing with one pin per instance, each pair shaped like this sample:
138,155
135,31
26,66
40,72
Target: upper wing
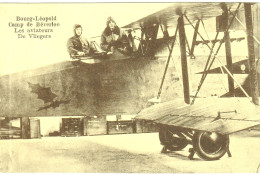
193,11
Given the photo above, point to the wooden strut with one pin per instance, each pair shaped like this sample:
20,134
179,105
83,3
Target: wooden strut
228,70
150,38
185,75
228,54
211,50
166,35
167,63
256,40
192,152
231,75
188,46
251,53
198,31
141,42
194,39
212,45
207,67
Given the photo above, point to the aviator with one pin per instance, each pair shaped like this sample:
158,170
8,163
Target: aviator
15,24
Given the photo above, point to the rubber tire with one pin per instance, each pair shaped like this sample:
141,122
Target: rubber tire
196,141
167,140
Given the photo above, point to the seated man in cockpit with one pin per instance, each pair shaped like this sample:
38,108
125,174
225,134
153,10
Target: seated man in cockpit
78,46
113,37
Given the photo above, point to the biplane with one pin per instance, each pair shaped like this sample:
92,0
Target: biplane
206,123
123,84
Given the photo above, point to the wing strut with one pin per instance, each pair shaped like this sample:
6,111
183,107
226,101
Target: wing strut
194,39
184,65
228,71
168,61
251,53
256,40
228,53
208,66
197,31
188,46
219,63
166,35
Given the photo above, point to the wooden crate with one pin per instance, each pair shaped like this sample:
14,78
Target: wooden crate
71,127
120,127
7,131
145,126
94,125
35,129
9,134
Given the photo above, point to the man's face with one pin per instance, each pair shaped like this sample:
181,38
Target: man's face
111,25
78,31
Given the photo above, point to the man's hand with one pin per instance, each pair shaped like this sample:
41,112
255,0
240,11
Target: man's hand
81,53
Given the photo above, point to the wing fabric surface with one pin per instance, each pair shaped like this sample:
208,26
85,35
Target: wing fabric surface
225,116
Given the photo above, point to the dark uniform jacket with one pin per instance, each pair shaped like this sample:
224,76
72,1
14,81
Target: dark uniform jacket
111,38
79,44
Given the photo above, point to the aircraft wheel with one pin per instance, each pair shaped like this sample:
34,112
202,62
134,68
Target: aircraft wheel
167,139
210,146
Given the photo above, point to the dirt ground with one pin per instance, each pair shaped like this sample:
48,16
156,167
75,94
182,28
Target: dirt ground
125,153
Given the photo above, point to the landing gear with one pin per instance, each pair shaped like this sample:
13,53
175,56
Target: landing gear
170,141
210,146
207,145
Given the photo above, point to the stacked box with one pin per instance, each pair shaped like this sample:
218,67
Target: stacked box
35,130
145,126
71,127
120,127
8,131
95,125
